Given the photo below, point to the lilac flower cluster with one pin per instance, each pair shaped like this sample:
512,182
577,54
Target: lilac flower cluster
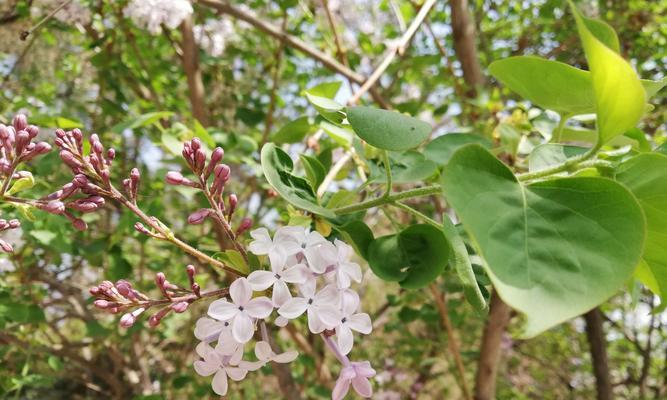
320,274
16,144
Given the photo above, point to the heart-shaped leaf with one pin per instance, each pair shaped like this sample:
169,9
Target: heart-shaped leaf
277,166
619,95
441,149
387,130
554,249
414,257
645,176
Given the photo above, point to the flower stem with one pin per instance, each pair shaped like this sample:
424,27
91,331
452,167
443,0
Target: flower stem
334,349
418,192
568,165
418,214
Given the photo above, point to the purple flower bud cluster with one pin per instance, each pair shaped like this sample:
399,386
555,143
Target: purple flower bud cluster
122,297
5,225
95,166
16,144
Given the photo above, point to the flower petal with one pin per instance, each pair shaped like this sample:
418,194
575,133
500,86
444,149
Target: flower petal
219,383
314,323
236,374
340,389
263,350
360,323
207,329
362,386
237,355
296,274
281,293
349,302
261,280
205,369
222,310
286,357
293,307
281,321
328,296
345,338
259,307
242,328
240,291
251,365
329,316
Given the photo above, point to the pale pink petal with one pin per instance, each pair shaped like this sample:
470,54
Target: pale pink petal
352,270
259,307
223,310
207,352
360,323
286,357
220,383
287,234
281,293
277,259
362,386
261,280
236,374
205,369
308,287
242,328
281,321
345,339
344,250
296,274
342,279
364,368
340,389
240,291
314,323
263,350
208,329
227,345
237,355
328,296
349,302
293,307
329,316
251,365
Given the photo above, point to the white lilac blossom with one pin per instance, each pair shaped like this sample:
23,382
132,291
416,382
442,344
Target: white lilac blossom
308,275
241,311
214,35
152,14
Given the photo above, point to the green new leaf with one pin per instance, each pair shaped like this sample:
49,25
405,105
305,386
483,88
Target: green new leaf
548,84
603,32
325,89
277,166
315,171
414,257
387,130
293,131
619,95
23,183
233,259
554,249
327,108
645,176
459,258
551,154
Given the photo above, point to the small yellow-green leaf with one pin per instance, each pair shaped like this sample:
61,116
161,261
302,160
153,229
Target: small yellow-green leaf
26,182
619,95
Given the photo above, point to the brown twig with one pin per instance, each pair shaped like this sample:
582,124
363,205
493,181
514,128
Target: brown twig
24,34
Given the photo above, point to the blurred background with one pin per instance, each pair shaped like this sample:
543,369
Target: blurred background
146,75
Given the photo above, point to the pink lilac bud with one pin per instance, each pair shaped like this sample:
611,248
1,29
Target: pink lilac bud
245,224
103,304
95,291
139,227
124,287
111,154
127,320
196,289
69,159
160,279
180,307
174,178
14,223
6,247
53,207
200,160
195,144
190,270
233,201
155,319
199,216
79,224
22,140
33,131
20,122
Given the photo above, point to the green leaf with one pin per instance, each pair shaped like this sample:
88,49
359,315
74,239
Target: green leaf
119,267
603,32
233,259
407,167
141,121
43,237
441,149
549,84
329,109
326,89
388,130
315,171
653,87
359,235
459,258
619,95
551,154
645,176
414,257
277,166
554,249
21,184
293,132
202,133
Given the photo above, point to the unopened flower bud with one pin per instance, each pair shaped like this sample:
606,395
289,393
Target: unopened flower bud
245,224
124,287
111,154
160,279
20,122
79,224
6,247
53,207
233,201
195,144
32,130
103,304
199,216
14,223
174,178
94,291
139,227
127,320
180,307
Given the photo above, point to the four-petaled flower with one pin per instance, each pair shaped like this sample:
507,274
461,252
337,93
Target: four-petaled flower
241,310
357,374
321,307
278,278
360,322
345,270
264,354
223,366
278,249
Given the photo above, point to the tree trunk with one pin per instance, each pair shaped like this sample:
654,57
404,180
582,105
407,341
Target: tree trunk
598,348
190,61
490,352
463,30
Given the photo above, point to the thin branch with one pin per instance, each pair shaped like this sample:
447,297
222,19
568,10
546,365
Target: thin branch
24,35
399,48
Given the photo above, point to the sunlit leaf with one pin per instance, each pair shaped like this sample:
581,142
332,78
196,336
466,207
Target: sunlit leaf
388,130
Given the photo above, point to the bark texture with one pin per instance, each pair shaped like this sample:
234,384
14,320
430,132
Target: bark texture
463,30
190,61
490,352
598,349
